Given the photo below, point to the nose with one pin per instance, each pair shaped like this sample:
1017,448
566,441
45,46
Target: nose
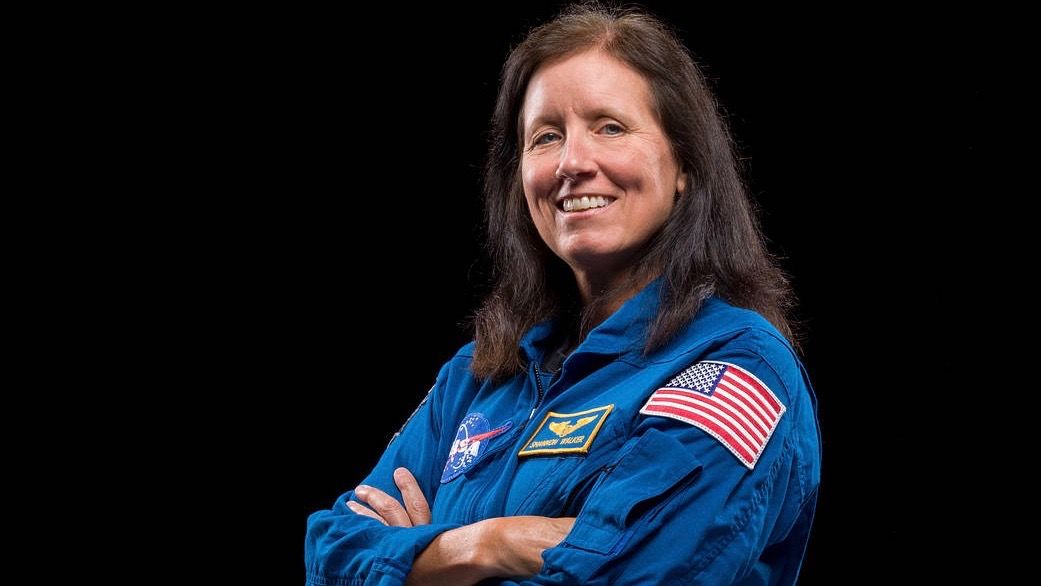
576,159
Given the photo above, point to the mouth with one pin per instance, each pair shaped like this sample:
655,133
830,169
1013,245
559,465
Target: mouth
573,204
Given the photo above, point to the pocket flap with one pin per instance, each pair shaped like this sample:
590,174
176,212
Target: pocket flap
639,482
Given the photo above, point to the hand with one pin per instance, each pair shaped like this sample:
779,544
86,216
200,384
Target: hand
387,510
503,547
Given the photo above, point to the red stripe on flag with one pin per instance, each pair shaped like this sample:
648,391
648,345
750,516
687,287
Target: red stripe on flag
740,397
737,402
763,393
722,434
747,396
696,401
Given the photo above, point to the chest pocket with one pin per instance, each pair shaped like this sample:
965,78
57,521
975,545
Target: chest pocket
638,484
548,485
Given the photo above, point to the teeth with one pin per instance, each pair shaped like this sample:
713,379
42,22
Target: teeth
577,204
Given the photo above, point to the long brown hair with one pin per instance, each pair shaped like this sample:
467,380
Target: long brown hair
710,245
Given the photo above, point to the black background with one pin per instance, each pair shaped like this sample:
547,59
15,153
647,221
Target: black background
350,146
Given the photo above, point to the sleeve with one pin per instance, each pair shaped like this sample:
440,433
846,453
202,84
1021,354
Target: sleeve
678,506
342,548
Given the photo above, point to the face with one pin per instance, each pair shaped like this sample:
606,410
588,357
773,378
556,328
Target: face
598,172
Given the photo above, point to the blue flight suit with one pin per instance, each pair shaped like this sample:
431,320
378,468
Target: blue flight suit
659,499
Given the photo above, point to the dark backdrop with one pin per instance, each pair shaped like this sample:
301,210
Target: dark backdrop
352,145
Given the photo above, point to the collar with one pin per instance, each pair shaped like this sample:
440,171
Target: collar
623,331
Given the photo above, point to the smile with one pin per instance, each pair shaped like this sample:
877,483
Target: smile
578,204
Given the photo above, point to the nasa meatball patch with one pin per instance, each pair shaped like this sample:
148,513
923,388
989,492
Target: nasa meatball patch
725,401
471,440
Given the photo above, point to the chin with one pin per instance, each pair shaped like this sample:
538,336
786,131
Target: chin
594,258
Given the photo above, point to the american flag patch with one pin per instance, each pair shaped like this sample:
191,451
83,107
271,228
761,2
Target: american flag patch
724,400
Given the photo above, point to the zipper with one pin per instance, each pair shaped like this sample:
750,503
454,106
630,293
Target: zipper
516,432
506,441
538,385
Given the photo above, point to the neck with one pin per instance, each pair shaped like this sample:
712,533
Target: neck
602,297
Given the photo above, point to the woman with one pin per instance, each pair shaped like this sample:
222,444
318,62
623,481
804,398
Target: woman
631,410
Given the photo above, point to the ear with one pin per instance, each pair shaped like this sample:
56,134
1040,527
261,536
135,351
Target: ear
681,182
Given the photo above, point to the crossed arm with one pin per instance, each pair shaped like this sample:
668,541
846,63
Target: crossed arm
503,547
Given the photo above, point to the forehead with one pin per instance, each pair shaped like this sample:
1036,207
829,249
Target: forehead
584,82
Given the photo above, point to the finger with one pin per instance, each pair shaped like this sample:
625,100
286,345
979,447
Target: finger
385,506
363,510
412,496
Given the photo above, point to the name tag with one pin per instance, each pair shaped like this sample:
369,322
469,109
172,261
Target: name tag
566,433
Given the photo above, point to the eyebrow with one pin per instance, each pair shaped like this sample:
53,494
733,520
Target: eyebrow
602,112
538,121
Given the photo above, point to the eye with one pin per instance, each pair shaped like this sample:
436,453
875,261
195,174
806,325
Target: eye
612,129
546,138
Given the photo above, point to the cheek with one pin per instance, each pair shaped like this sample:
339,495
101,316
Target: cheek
647,173
538,191
627,169
528,181
537,178
533,192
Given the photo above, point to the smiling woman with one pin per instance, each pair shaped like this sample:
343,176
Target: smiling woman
599,173
632,410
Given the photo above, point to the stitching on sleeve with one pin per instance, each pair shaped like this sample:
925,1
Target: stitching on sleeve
742,520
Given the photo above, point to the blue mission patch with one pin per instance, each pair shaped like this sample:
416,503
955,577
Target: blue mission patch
471,440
